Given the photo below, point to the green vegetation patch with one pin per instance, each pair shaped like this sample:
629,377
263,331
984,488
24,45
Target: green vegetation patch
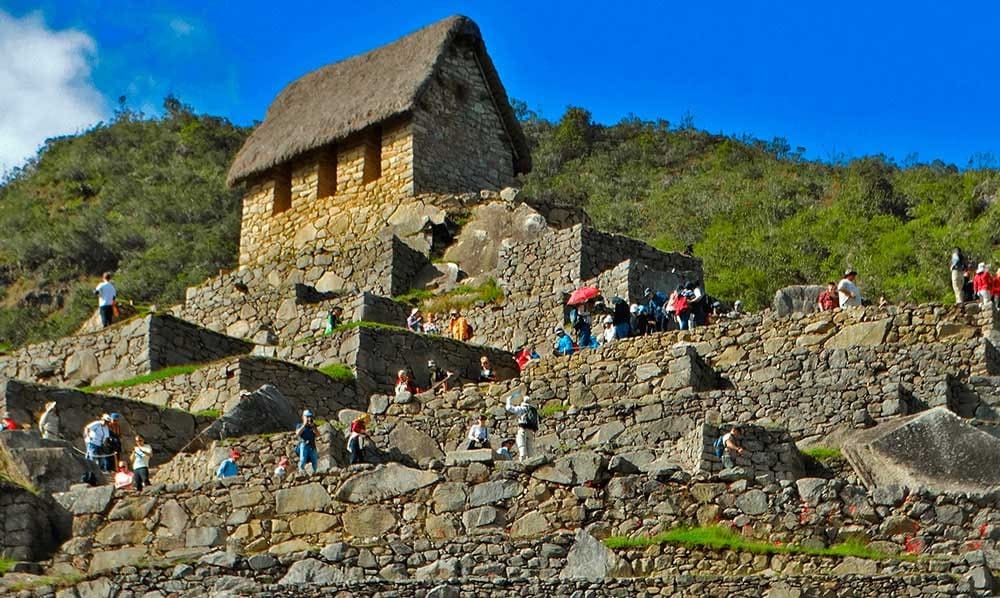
57,581
211,413
6,565
551,409
823,454
168,372
460,297
722,538
338,372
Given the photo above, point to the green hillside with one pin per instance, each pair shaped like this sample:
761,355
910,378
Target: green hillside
143,197
146,197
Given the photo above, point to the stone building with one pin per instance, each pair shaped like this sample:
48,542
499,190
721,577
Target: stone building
426,114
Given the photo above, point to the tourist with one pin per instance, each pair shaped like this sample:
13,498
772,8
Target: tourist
405,383
527,425
7,423
141,453
431,326
48,423
995,288
437,376
731,443
358,434
968,294
656,302
106,295
639,321
123,477
281,468
113,444
334,319
95,434
458,327
621,317
525,355
848,294
306,434
229,468
737,311
582,323
486,373
505,449
479,435
827,300
697,303
414,323
564,344
957,269
670,309
608,332
682,309
982,285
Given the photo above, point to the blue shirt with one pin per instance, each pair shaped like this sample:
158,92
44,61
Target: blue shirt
564,346
227,469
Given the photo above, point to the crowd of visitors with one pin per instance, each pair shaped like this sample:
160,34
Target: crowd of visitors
971,281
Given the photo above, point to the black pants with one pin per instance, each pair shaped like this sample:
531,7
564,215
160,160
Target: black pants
107,314
474,444
140,477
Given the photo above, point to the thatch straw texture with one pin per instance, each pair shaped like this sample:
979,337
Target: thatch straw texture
339,99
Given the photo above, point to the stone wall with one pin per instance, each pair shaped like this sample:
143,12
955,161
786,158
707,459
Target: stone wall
459,141
770,452
377,353
166,430
126,350
31,526
217,385
266,236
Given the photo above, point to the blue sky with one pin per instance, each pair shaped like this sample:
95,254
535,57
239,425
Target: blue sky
846,78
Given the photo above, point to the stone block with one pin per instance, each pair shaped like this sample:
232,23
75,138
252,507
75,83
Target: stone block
310,497
368,521
385,481
465,457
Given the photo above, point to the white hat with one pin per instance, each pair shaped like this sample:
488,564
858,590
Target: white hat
608,320
981,268
307,413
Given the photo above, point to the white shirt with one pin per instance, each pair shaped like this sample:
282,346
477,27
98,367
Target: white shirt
609,334
140,456
478,433
96,432
106,293
845,290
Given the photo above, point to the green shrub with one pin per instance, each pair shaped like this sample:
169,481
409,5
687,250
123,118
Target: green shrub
338,372
823,454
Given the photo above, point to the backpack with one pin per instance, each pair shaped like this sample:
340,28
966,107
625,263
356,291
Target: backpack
681,305
89,478
720,447
529,419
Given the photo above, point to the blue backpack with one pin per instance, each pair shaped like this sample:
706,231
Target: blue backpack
720,447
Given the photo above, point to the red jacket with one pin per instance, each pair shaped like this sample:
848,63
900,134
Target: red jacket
995,286
982,280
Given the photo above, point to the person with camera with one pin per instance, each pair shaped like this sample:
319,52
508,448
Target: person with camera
306,433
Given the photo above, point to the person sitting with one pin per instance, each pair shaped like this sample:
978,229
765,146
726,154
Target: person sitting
827,300
282,467
486,373
358,433
506,449
564,344
621,318
430,325
123,477
404,383
414,323
608,329
7,422
479,435
229,468
437,376
524,356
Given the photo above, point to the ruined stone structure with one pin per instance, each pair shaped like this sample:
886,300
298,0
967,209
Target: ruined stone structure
357,193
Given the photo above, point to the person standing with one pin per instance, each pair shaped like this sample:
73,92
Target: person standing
731,444
982,284
527,425
356,438
106,294
415,323
141,453
95,434
458,327
48,423
847,291
957,270
306,433
113,445
827,300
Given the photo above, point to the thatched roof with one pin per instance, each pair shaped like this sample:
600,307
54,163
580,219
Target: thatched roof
339,99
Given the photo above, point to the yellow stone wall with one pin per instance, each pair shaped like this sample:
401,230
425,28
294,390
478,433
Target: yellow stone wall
356,207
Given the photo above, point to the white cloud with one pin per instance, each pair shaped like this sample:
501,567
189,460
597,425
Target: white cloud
45,86
181,27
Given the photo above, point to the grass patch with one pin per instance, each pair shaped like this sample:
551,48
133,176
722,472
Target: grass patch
339,372
212,413
6,565
56,581
460,297
554,408
367,324
168,372
721,538
823,454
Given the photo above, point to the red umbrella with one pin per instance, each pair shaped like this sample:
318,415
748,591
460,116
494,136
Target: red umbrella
582,295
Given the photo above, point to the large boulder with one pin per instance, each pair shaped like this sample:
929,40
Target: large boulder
934,449
48,465
589,559
798,298
385,481
263,411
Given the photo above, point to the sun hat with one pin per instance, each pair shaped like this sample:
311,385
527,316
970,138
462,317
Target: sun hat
849,272
981,268
307,413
